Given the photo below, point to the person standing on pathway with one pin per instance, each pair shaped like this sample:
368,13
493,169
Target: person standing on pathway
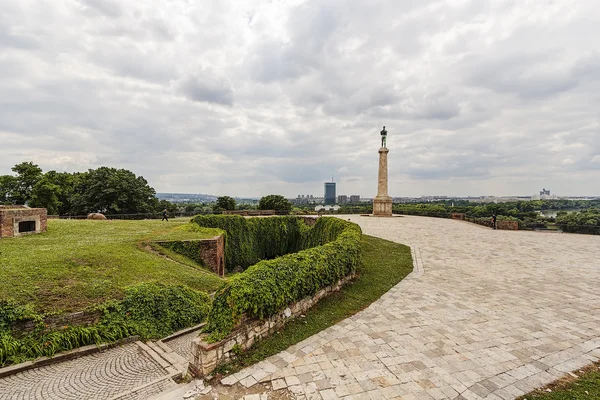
494,221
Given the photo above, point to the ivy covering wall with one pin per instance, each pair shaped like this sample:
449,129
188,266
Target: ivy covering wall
249,240
150,310
270,285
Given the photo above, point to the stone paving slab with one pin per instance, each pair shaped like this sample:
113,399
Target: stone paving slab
97,376
486,315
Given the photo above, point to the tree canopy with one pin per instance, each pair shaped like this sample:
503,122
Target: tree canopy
226,203
274,202
106,190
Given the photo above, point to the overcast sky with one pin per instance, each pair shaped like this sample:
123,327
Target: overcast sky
251,97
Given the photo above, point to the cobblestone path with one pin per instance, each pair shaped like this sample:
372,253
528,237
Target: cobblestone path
493,315
97,376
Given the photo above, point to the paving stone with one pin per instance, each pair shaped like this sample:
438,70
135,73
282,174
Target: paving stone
483,314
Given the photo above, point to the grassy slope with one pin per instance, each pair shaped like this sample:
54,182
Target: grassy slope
79,263
586,387
384,265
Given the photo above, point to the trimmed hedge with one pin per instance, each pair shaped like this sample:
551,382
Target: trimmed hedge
270,285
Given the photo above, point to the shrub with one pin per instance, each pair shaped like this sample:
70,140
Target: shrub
587,221
150,310
270,285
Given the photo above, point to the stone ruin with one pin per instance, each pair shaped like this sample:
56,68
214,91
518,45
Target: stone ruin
21,220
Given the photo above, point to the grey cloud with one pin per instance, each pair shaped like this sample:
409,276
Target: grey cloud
108,8
477,96
202,87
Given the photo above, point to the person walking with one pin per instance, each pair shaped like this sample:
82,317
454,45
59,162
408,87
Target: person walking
164,214
494,221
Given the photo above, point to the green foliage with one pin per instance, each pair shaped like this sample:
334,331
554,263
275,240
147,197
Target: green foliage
586,221
270,285
585,387
384,264
249,240
113,191
225,203
187,248
45,195
8,183
28,174
154,310
274,202
150,310
106,190
77,264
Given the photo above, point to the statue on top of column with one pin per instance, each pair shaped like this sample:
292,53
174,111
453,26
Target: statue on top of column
383,137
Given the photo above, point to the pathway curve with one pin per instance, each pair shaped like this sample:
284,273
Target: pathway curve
494,315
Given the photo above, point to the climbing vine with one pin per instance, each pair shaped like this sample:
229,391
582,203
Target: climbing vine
270,285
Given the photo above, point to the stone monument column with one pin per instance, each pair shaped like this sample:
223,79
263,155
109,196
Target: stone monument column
382,203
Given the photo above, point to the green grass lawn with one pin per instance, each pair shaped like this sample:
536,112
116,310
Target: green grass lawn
586,387
384,264
78,263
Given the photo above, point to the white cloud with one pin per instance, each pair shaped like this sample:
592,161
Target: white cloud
249,98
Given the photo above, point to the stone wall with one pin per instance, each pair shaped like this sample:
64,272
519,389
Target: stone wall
11,216
205,357
212,253
81,318
457,216
249,213
507,225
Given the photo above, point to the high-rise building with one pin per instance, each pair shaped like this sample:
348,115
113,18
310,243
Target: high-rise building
355,198
329,193
342,199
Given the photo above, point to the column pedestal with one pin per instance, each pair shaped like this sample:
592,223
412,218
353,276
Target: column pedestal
382,203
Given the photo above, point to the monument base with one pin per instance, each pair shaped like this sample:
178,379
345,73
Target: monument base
382,206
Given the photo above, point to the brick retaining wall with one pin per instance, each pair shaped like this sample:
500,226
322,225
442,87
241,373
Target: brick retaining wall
212,252
80,318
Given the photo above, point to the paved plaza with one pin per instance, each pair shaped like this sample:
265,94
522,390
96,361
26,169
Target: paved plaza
485,315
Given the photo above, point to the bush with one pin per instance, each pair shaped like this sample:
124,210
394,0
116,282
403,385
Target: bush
150,310
587,221
270,285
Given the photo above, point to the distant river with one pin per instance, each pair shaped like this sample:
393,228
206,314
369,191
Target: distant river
552,213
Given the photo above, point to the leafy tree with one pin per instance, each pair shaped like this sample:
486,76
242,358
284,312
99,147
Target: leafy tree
45,195
167,205
8,184
274,202
54,192
28,174
226,203
113,191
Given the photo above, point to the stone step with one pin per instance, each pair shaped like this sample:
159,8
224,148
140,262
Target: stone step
150,389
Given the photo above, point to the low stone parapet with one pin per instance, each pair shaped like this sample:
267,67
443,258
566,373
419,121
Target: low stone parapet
507,225
459,216
206,357
249,213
